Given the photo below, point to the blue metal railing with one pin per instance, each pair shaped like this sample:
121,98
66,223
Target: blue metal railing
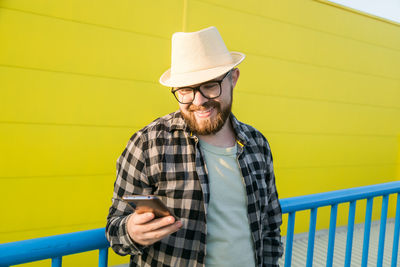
333,198
54,247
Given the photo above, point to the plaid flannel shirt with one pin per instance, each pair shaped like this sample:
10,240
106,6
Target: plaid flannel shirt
164,159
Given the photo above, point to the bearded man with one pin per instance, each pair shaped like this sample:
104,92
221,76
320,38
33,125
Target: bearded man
213,172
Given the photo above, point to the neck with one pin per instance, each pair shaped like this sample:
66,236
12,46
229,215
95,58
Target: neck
223,138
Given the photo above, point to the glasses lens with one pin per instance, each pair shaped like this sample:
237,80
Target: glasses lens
184,95
210,90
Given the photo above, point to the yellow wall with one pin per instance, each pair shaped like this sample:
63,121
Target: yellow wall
77,78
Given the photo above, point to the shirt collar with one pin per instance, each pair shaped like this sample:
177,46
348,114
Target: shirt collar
240,131
177,122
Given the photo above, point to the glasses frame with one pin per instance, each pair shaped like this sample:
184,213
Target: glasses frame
197,89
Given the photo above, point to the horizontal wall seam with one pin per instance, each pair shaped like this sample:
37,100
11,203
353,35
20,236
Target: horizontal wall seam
301,26
70,124
392,136
54,227
135,128
88,23
76,73
244,91
333,166
322,66
46,176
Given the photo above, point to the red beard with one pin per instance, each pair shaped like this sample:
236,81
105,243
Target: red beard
210,125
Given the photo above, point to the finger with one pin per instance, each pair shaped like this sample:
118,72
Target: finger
142,218
158,223
160,233
136,224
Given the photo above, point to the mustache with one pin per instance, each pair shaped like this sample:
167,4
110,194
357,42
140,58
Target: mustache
206,105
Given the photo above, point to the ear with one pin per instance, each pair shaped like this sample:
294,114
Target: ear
235,76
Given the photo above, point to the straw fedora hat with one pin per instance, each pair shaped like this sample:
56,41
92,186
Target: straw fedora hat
198,57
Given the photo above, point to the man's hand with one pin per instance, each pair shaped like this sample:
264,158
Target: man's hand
145,230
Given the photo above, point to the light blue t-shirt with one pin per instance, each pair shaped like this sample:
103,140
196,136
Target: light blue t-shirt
229,241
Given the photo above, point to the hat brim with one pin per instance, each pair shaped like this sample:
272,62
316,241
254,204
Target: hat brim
191,78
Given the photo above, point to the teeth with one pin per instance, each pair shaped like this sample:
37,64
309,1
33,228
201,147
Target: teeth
203,111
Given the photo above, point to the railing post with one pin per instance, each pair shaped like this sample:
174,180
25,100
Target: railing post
367,231
311,237
103,257
382,230
289,239
395,248
332,232
350,231
56,262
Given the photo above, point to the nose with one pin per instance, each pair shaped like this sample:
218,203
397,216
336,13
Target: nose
199,99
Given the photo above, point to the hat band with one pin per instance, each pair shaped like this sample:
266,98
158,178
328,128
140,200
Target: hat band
206,63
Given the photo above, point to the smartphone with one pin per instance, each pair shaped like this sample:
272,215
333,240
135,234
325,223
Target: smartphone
148,203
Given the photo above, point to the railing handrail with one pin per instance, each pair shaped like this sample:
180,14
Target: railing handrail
52,246
338,196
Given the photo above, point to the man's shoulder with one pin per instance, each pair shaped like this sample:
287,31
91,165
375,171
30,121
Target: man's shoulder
250,134
160,127
164,123
248,129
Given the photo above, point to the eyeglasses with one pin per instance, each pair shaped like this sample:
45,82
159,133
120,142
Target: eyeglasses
210,90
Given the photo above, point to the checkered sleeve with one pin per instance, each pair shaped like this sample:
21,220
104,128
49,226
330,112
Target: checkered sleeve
273,248
131,180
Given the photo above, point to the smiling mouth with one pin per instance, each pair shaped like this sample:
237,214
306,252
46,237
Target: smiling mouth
204,113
